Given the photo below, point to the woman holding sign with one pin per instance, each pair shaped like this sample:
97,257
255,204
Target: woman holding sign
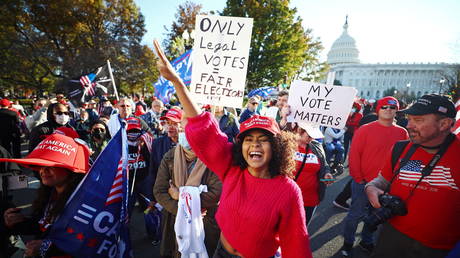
261,207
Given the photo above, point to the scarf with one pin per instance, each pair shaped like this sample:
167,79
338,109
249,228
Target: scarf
182,157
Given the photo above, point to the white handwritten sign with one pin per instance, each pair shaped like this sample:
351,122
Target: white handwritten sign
220,59
320,104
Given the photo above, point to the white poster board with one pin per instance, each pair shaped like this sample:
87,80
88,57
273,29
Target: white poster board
320,104
220,59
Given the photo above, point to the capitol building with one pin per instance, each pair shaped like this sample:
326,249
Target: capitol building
371,80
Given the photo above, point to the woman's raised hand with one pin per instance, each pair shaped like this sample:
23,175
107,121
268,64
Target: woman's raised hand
165,68
191,109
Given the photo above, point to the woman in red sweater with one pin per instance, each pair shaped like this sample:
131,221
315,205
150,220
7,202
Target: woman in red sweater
261,207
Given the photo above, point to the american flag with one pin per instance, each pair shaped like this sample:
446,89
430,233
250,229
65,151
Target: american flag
88,84
148,139
440,176
116,192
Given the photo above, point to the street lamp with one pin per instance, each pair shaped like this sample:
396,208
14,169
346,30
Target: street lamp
188,37
441,84
407,92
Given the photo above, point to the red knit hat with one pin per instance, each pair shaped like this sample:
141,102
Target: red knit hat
386,101
260,122
5,102
57,150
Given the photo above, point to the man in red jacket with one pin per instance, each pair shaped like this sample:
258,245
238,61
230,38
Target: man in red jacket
370,143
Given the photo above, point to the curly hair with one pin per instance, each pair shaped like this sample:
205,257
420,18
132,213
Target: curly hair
283,148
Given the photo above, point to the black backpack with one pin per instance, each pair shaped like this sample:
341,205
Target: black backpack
398,149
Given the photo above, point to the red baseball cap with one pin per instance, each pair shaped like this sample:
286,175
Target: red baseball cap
386,101
173,114
260,122
5,102
67,131
57,150
133,123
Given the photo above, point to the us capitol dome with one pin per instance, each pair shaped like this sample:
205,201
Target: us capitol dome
372,80
344,50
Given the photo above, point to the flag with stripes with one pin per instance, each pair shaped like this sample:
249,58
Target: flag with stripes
94,222
148,139
95,84
440,176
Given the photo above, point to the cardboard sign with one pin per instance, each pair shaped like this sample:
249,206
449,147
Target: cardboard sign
320,104
220,59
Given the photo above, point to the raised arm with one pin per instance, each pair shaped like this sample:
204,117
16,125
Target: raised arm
167,71
206,139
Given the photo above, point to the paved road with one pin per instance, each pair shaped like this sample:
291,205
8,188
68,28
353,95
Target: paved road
325,228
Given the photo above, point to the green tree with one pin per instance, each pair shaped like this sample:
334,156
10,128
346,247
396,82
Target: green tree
390,92
175,44
47,41
281,49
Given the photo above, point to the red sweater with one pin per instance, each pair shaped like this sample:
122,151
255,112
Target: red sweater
434,208
255,215
308,179
371,144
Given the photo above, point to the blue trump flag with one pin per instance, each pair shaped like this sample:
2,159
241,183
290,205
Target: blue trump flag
94,222
164,89
264,92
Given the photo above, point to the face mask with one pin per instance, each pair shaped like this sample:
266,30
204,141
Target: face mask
132,137
62,119
98,135
182,140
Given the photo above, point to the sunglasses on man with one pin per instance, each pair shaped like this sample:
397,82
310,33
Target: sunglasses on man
390,107
60,113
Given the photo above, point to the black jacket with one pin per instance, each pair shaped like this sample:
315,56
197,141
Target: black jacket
40,132
318,150
9,132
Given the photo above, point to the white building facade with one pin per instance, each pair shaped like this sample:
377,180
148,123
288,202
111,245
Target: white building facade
371,80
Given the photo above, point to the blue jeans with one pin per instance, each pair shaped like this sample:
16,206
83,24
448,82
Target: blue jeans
357,212
334,148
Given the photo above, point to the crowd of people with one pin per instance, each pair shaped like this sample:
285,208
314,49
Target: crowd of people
264,176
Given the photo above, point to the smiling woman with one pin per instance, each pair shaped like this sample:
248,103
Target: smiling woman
261,207
259,147
60,173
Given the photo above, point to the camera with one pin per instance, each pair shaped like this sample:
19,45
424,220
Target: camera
391,206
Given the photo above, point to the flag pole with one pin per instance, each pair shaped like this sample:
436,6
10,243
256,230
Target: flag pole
113,81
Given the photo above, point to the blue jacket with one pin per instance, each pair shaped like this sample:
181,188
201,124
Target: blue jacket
228,124
160,146
246,115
